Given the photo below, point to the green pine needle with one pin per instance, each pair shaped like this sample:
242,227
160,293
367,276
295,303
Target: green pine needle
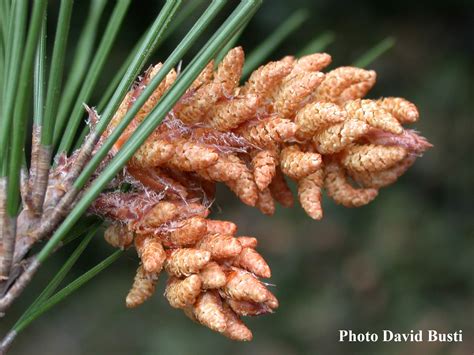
56,72
262,52
39,77
21,107
14,47
375,52
82,56
92,77
230,44
60,275
318,44
44,306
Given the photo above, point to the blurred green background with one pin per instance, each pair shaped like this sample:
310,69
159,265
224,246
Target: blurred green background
403,262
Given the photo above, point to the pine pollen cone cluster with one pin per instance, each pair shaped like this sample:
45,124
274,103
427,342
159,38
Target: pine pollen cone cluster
289,120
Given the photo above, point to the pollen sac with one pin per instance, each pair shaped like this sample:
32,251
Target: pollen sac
263,80
212,276
151,253
294,91
382,178
245,308
280,190
248,242
229,115
341,80
152,153
221,227
264,164
243,286
311,63
265,202
235,329
297,164
187,232
186,261
339,136
403,110
189,156
161,213
339,188
316,116
268,132
252,261
220,246
118,236
159,91
227,168
309,193
369,112
369,157
183,293
143,287
209,312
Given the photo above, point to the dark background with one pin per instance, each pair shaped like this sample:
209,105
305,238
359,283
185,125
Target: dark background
403,262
